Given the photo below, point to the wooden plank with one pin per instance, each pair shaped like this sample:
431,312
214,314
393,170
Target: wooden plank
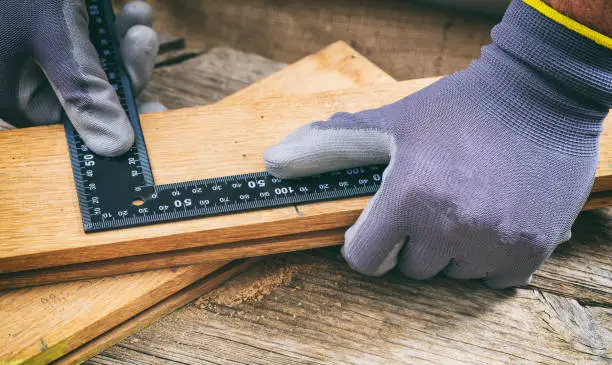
44,323
322,69
197,255
201,81
580,268
53,315
599,200
155,312
326,313
138,283
37,238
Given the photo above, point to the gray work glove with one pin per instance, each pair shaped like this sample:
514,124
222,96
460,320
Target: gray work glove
488,168
47,64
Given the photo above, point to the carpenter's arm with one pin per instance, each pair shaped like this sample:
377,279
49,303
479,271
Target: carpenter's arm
595,14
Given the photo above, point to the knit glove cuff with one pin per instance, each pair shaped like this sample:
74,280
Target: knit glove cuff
543,80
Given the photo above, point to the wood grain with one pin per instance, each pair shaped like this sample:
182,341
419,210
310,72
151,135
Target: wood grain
143,283
329,314
582,267
599,200
196,255
35,238
155,312
41,324
408,39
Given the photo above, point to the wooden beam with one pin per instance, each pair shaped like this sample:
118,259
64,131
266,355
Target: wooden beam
602,199
35,160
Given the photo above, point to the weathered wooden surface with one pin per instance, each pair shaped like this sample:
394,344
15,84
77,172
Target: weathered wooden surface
178,258
406,39
329,314
582,267
207,78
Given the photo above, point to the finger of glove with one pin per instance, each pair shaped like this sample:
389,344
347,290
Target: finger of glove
476,259
37,99
344,141
139,47
516,264
5,126
133,13
470,268
71,65
151,107
424,257
372,244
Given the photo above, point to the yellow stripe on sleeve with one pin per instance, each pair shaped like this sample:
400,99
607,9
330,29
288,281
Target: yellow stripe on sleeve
570,23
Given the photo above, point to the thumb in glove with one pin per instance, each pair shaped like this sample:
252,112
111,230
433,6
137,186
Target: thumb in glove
48,64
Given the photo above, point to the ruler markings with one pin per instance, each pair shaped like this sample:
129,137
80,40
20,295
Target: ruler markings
120,192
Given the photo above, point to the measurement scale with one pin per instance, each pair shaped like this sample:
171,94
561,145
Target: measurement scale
120,192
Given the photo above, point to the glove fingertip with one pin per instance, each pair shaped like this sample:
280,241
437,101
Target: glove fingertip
275,162
366,267
133,13
506,281
110,144
138,49
151,107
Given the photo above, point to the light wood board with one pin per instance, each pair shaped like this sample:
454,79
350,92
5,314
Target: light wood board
58,334
44,323
155,312
196,255
186,144
198,81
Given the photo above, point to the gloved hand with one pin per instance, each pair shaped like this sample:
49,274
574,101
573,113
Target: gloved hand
48,63
488,168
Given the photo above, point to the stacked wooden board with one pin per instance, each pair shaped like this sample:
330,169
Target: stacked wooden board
71,321
43,230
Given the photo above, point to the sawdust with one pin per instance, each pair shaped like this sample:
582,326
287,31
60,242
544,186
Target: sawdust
253,285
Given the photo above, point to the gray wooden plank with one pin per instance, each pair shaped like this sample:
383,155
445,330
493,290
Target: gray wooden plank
603,317
406,39
329,314
206,78
582,267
